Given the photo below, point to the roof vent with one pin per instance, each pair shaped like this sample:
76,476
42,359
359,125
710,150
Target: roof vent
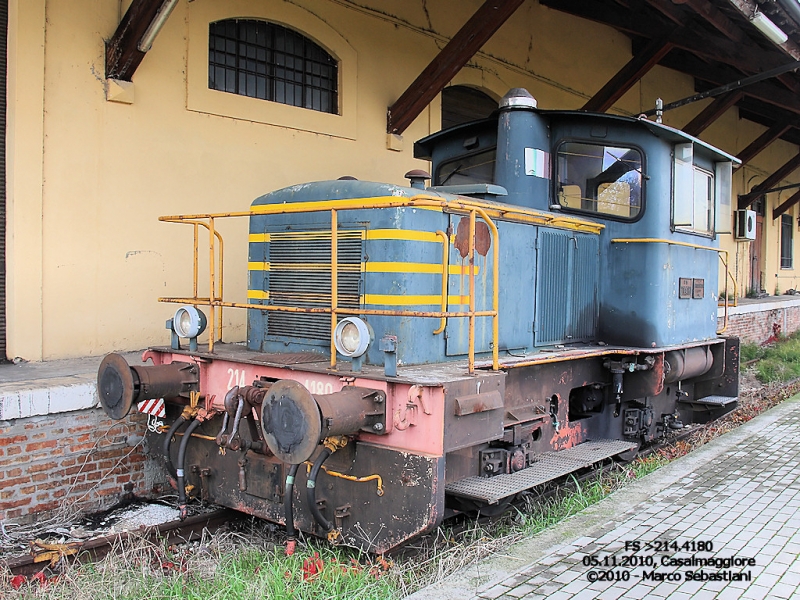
518,98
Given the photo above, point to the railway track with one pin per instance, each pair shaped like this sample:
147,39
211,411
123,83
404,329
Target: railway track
43,556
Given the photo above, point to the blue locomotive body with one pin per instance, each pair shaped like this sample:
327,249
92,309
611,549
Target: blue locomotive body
548,302
619,285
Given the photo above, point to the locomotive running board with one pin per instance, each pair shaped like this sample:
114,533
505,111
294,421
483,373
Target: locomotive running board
718,401
551,466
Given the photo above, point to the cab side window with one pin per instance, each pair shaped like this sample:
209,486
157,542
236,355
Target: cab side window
693,193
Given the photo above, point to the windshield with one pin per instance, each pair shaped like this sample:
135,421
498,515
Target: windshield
600,179
472,168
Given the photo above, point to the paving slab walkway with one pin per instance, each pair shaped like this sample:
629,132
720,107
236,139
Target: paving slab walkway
722,522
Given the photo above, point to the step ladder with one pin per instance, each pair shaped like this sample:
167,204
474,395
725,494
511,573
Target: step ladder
716,401
550,466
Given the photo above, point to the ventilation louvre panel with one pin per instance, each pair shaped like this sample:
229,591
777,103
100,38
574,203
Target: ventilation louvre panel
566,290
299,275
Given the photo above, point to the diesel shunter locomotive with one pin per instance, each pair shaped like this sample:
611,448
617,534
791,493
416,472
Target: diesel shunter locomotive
549,302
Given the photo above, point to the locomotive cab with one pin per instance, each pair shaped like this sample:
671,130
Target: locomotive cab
661,195
548,303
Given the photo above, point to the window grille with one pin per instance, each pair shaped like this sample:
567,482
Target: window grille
267,61
462,104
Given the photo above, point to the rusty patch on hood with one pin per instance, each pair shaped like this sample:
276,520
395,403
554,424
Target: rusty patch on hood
483,239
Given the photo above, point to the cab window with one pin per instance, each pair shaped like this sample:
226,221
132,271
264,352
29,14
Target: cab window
469,169
600,179
693,193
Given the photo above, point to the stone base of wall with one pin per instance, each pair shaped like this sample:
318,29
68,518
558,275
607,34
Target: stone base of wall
760,322
74,461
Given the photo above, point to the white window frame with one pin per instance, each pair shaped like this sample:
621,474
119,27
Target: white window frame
685,215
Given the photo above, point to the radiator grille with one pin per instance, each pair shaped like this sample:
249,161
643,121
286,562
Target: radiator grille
299,275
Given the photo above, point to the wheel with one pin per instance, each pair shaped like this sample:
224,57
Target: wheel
629,455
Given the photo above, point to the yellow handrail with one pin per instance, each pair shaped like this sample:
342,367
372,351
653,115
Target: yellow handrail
196,265
445,278
495,290
506,212
720,252
211,322
471,264
473,208
334,281
728,275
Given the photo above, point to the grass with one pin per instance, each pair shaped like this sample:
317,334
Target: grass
779,362
225,567
750,352
577,496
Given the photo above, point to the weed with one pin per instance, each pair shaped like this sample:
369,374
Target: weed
543,514
225,567
779,362
748,352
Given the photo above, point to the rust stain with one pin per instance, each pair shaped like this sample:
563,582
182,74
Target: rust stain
569,436
658,371
483,239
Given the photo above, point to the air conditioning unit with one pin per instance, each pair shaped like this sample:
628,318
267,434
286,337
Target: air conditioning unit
745,224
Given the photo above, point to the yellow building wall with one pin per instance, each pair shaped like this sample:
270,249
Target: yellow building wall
88,178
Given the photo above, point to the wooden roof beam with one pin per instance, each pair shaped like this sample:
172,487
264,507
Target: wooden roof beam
712,112
669,10
717,19
458,51
627,76
790,82
779,210
762,141
748,58
766,116
765,92
125,50
629,20
784,171
728,28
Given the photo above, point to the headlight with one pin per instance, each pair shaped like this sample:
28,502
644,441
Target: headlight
189,322
351,337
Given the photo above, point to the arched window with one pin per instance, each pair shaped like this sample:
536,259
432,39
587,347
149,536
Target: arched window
267,61
462,104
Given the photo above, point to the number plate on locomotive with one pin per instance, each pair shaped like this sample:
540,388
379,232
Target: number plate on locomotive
684,287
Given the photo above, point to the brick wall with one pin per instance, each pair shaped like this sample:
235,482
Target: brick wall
75,461
758,323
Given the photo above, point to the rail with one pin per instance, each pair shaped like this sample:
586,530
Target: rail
723,257
472,208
